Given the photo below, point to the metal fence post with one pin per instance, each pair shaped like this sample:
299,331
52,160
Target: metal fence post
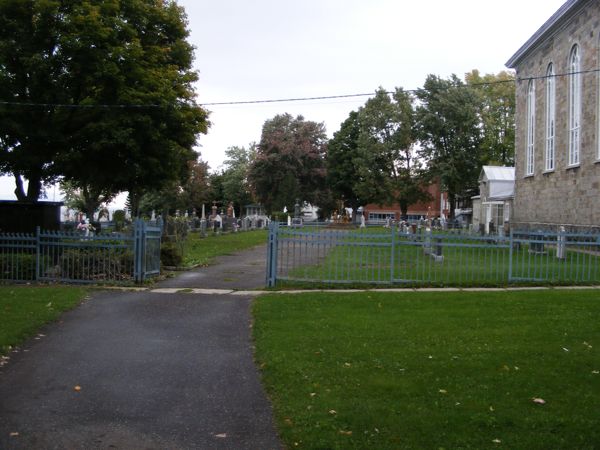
272,254
392,255
38,249
510,254
138,250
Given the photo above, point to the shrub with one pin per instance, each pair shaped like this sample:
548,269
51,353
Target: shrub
171,254
17,267
119,219
279,216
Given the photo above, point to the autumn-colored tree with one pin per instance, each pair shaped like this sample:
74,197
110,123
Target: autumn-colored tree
289,163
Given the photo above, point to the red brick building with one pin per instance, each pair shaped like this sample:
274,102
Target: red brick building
437,206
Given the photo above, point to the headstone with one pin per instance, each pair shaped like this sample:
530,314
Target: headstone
536,246
437,252
427,243
561,243
203,227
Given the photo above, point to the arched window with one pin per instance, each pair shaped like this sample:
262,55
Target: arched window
574,105
529,151
550,116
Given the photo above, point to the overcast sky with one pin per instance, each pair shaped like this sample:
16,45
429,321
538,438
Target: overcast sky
273,49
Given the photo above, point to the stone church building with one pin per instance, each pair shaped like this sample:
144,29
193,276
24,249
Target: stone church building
557,145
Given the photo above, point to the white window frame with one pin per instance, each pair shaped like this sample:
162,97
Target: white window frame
550,118
574,106
530,144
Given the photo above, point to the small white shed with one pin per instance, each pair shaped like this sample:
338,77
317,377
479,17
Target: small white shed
496,191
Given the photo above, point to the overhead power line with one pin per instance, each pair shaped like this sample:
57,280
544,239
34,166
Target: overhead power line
280,100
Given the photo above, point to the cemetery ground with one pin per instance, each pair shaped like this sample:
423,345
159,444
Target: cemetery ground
510,369
201,251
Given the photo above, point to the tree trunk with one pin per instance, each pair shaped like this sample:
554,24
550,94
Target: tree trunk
34,189
19,190
91,202
452,201
403,209
134,203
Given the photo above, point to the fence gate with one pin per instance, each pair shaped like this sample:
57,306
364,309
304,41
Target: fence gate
146,250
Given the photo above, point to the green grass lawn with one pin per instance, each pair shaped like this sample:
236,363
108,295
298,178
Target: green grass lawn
202,251
24,309
433,370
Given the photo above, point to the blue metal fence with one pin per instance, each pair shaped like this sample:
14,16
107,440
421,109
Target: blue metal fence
56,256
432,258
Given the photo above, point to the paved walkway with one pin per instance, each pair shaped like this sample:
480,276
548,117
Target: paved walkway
144,370
245,270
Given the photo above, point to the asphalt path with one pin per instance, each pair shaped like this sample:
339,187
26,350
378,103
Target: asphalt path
242,270
142,370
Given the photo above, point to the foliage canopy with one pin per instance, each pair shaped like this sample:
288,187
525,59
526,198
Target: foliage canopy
99,94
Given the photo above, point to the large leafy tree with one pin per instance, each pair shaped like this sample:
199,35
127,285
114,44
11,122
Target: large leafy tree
387,163
497,111
289,163
236,188
449,129
99,94
343,172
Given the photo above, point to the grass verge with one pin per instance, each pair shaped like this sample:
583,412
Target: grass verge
202,251
24,309
432,370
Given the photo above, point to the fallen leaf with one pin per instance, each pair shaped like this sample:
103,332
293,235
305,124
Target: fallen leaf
587,345
516,367
347,433
540,401
347,364
595,372
492,408
443,391
13,434
288,421
221,435
565,349
77,388
497,441
332,411
312,394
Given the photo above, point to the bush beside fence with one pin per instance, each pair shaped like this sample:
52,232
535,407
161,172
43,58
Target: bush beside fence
74,257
